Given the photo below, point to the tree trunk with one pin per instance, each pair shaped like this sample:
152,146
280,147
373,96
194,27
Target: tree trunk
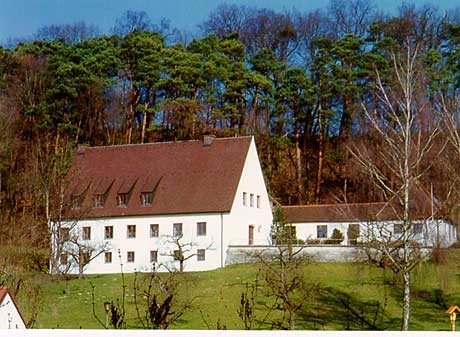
80,263
320,158
406,301
144,122
291,321
298,155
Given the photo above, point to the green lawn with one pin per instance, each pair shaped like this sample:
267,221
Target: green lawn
342,296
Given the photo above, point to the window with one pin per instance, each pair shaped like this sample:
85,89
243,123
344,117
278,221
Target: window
122,199
63,259
177,229
131,232
177,255
321,231
76,201
418,228
245,199
201,254
86,257
251,200
291,233
108,232
154,230
130,257
154,256
201,228
146,198
397,229
251,235
99,201
64,234
258,201
353,233
86,235
108,257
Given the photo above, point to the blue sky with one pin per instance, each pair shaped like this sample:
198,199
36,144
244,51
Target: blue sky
23,17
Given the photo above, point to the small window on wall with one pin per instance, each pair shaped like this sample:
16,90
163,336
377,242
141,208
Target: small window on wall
131,231
154,256
201,254
251,200
245,199
63,258
154,230
130,257
122,199
353,233
321,231
86,257
417,228
64,234
251,235
177,255
177,229
99,201
258,201
397,228
146,198
201,228
76,201
108,257
108,232
86,234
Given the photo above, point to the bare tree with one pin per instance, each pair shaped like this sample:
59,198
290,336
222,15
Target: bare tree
351,17
284,274
181,250
397,167
81,250
72,33
130,21
163,301
224,20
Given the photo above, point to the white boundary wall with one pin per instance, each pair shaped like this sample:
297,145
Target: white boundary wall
323,253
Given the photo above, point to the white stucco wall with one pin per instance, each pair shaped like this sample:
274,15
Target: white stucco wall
142,244
432,231
236,224
9,315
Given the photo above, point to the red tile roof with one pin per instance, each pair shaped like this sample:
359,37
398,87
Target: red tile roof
185,177
349,212
337,212
3,292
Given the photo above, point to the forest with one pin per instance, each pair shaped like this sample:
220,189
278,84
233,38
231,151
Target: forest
307,86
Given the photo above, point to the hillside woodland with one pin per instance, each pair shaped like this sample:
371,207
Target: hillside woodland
306,85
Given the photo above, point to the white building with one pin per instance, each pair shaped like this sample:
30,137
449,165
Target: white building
10,317
315,224
146,205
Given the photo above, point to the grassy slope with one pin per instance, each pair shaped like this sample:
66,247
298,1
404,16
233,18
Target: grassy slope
343,295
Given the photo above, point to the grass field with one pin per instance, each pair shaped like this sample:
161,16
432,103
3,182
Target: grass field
342,296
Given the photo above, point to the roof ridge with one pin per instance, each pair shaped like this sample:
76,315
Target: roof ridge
343,204
165,142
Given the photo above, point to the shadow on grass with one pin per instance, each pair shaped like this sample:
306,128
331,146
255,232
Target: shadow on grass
335,309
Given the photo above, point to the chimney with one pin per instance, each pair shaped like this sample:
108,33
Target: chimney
208,139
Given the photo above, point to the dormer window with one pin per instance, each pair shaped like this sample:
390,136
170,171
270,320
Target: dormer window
146,198
99,201
76,201
122,199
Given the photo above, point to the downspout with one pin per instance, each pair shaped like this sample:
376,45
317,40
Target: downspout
221,240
